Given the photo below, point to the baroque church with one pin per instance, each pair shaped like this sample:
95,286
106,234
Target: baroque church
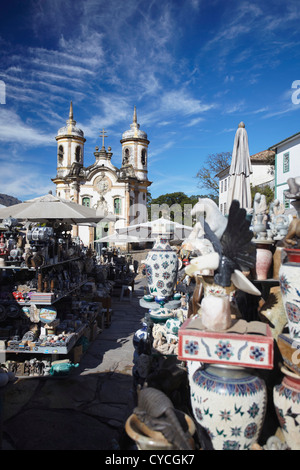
115,192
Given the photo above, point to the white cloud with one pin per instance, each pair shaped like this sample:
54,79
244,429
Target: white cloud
180,101
26,183
14,130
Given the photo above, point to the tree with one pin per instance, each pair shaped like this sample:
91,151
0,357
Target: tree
213,164
175,206
266,190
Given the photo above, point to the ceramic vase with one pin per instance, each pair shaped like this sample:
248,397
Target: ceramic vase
140,335
161,269
289,278
230,403
263,263
286,398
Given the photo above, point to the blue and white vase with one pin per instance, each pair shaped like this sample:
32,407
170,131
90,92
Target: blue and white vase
140,335
286,397
161,269
289,274
230,403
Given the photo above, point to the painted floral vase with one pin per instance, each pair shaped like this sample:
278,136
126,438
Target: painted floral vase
264,259
230,403
286,398
289,278
161,269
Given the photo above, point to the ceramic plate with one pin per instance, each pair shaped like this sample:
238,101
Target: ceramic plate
161,314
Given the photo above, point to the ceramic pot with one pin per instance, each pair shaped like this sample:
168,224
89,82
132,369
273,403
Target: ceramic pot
230,403
263,263
147,439
286,398
277,261
140,335
173,325
289,278
161,269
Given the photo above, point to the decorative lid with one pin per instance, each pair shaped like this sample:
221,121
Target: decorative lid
70,128
134,131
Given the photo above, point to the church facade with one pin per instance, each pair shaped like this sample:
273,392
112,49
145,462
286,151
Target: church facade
115,192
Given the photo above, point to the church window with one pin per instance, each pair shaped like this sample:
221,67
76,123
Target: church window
143,157
126,156
86,201
117,205
60,153
78,154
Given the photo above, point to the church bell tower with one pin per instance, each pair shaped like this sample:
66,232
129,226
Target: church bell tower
70,157
135,149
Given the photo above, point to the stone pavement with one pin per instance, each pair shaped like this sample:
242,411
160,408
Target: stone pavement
86,410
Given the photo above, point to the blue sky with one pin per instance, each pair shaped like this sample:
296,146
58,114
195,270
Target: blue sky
193,68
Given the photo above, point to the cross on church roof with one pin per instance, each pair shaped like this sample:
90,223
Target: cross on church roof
103,134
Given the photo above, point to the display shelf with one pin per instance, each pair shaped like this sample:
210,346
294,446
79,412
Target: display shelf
45,266
51,349
53,300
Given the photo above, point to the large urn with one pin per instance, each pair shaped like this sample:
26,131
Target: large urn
161,269
287,405
230,403
289,278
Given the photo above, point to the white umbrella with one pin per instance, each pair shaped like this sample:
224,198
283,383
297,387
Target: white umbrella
118,238
49,207
240,170
146,230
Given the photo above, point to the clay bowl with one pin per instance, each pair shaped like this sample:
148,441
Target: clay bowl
147,439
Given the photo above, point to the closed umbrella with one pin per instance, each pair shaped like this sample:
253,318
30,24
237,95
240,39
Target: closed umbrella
240,170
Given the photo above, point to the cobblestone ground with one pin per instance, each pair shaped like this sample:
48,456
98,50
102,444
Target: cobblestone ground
86,410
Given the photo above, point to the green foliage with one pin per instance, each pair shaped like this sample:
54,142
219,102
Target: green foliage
171,205
266,190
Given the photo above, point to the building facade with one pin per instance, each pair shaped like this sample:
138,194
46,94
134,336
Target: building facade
119,191
287,165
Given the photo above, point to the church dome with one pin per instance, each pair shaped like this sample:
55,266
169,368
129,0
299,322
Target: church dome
70,128
134,131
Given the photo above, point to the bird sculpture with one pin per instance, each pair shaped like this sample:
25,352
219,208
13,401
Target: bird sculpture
233,253
236,249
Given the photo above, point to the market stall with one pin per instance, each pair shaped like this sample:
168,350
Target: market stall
226,355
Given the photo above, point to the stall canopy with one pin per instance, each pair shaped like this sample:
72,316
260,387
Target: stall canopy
49,207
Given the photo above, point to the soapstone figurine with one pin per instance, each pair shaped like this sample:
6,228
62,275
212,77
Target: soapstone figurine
232,254
157,411
235,249
294,192
293,236
213,217
259,218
